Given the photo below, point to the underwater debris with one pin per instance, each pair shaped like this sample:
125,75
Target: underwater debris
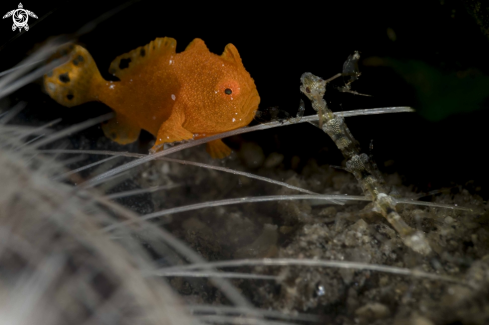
350,69
359,164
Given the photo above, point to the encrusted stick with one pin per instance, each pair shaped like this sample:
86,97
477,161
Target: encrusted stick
359,164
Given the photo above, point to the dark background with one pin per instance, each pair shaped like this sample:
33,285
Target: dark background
437,63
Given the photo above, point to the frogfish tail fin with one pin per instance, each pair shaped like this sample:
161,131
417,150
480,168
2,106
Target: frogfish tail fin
76,81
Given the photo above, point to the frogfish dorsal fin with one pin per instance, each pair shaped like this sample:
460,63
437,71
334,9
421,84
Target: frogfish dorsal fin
197,45
126,62
231,54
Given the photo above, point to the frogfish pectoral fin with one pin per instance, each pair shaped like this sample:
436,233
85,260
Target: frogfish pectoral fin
121,129
171,131
217,149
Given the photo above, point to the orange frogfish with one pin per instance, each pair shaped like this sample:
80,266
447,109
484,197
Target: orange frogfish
174,96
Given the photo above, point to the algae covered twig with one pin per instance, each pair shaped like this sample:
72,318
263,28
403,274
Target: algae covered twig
359,164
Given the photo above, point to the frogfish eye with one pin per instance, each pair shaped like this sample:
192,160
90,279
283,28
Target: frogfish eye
228,89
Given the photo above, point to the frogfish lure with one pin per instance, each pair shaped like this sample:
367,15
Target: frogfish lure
174,96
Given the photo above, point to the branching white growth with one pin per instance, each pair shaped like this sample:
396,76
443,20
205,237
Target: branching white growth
20,66
142,191
12,112
67,162
24,66
434,205
42,130
236,172
184,162
4,113
232,171
91,25
74,171
72,129
210,204
143,160
29,142
242,320
160,233
314,263
227,275
41,227
22,131
195,309
5,91
313,118
105,186
30,290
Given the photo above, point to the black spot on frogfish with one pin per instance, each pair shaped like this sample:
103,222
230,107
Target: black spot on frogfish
142,52
124,63
64,77
70,96
78,59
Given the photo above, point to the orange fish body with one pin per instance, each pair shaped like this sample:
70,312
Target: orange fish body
174,96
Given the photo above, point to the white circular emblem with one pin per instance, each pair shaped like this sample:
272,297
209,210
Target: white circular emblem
20,17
